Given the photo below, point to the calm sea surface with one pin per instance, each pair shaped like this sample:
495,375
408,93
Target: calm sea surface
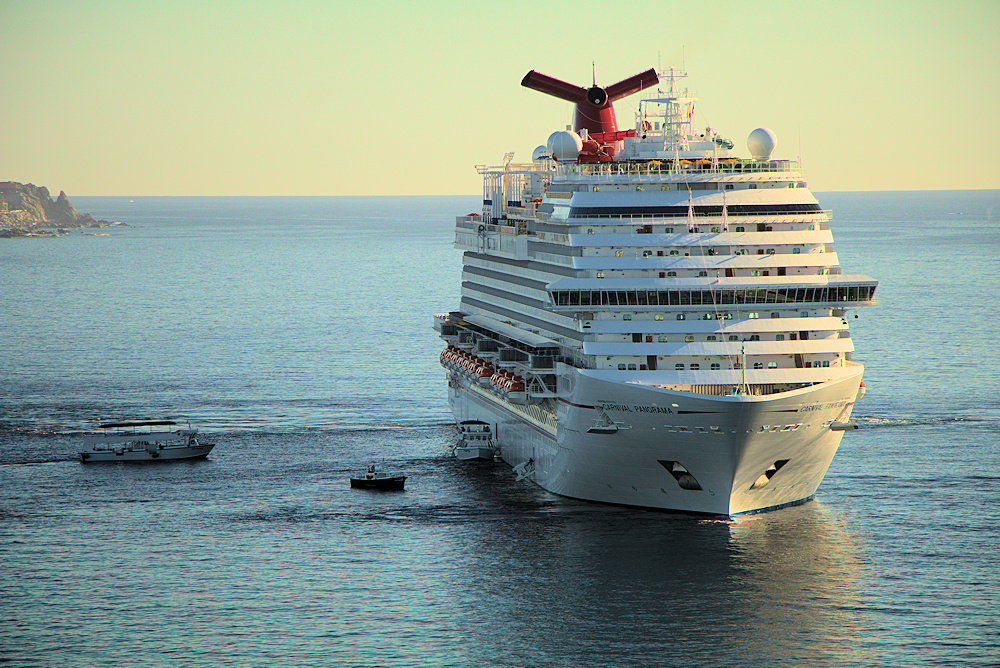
297,331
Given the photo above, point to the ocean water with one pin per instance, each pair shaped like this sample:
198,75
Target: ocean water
297,332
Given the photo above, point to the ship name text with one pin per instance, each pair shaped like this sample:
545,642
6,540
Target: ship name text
623,408
820,407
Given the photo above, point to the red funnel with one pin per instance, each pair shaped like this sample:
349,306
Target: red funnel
593,105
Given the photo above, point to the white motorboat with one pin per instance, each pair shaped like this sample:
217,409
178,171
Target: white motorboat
143,442
475,441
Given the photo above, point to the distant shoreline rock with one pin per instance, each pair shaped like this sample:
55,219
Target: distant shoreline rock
27,210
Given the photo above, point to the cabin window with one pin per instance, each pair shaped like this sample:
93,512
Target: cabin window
590,230
742,251
658,316
770,251
631,367
715,366
758,365
716,229
772,365
755,272
597,189
754,337
664,187
753,316
695,366
600,274
671,274
647,253
779,337
729,186
796,251
681,316
826,362
621,367
688,339
626,316
678,367
711,337
640,188
619,253
662,339
803,314
740,228
702,274
668,230
734,337
736,365
752,186
673,253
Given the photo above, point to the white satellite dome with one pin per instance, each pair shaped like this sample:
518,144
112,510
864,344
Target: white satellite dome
761,142
564,145
540,153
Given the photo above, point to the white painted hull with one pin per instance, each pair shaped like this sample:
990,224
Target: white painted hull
474,453
725,443
147,455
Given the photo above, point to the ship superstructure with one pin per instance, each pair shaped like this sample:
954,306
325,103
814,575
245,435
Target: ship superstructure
648,319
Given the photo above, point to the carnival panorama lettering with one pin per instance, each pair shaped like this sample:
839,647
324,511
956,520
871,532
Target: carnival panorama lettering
622,408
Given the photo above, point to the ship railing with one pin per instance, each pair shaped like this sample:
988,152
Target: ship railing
656,168
757,389
765,217
515,168
473,224
551,258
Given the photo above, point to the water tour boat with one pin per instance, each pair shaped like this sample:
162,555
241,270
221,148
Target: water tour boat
141,442
648,318
375,478
475,441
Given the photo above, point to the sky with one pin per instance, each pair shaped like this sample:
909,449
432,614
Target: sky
169,97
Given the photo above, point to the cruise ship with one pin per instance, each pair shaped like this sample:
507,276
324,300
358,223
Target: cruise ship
648,318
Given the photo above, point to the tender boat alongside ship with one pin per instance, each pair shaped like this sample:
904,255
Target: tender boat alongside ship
475,441
648,319
142,442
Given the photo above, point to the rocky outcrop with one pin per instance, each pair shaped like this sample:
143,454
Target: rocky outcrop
26,209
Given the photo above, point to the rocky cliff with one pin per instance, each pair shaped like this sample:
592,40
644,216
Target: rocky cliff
26,208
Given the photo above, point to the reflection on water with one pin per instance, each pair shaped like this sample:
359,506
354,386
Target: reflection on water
577,581
802,573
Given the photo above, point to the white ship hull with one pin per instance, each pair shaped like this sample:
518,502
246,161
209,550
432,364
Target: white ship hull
725,444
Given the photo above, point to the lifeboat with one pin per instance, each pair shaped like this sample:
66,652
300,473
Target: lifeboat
515,391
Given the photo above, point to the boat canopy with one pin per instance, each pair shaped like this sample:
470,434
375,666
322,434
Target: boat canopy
118,425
